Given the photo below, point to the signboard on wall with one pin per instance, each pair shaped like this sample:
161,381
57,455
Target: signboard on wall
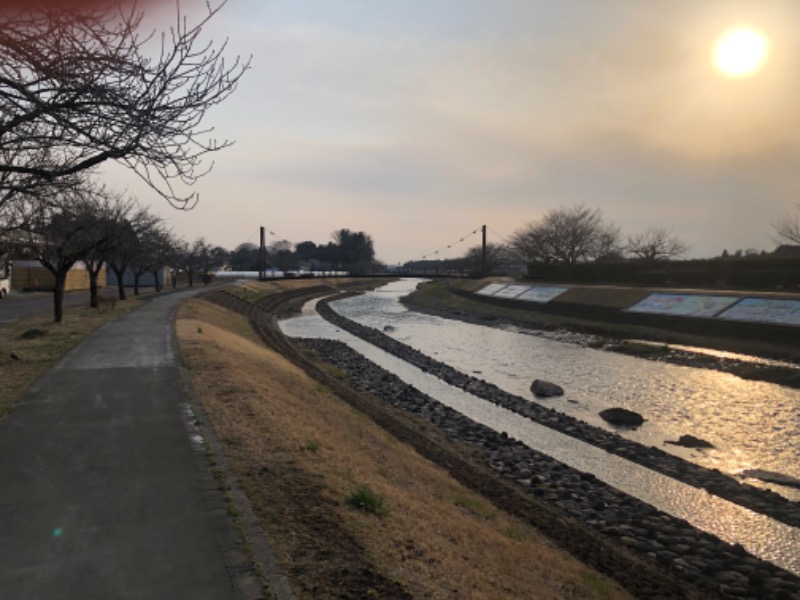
527,293
492,289
684,305
541,293
511,291
765,310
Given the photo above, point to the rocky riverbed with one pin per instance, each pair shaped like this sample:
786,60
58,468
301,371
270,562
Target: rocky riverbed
697,557
715,482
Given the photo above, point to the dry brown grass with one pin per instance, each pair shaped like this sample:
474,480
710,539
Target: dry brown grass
40,344
252,290
299,453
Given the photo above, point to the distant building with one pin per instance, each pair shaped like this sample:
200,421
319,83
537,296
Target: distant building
31,276
145,279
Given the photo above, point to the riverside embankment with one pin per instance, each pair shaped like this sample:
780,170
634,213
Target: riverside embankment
643,535
715,482
300,451
684,566
707,564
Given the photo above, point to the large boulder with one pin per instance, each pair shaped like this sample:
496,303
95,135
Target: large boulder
546,389
689,441
622,417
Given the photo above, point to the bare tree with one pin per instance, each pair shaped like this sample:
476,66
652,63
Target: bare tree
496,255
164,252
655,244
83,83
214,257
567,236
152,250
191,257
787,228
61,235
127,241
531,243
111,210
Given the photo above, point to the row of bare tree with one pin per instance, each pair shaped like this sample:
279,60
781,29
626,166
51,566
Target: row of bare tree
568,236
104,229
576,234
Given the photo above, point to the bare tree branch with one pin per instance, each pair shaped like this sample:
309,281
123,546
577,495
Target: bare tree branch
787,228
655,244
566,235
83,85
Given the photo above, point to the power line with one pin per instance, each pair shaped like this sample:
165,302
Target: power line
501,236
253,236
450,245
279,238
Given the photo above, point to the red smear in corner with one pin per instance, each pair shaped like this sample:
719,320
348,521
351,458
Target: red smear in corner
79,4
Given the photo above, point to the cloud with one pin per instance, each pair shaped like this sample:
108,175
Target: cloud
418,122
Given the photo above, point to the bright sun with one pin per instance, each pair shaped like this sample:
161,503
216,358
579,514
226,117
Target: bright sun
740,52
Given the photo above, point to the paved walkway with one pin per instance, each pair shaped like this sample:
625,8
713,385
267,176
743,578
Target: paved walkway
102,493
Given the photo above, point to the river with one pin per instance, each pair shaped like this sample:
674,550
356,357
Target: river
752,424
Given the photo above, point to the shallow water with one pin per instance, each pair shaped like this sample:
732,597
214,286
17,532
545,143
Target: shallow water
754,425
676,400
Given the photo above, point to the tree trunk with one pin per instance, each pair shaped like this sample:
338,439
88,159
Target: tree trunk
92,288
190,274
94,272
174,275
156,281
136,284
58,296
120,282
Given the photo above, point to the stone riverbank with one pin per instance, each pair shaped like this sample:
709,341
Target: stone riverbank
721,569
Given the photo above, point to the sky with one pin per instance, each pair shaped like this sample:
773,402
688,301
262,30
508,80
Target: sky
418,122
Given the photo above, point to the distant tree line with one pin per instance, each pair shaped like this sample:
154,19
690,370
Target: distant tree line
577,244
352,251
565,238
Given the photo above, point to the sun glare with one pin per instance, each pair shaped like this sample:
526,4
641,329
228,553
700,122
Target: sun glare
740,52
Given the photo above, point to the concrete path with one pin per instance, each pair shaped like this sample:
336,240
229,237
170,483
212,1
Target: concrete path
103,493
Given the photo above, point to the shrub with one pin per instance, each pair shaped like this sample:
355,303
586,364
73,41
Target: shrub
365,500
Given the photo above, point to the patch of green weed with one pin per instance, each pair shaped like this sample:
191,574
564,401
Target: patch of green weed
365,500
594,582
476,507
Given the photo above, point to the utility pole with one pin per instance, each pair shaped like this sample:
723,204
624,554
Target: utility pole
262,255
483,253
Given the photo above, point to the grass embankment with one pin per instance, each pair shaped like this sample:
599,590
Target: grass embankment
254,290
39,343
349,510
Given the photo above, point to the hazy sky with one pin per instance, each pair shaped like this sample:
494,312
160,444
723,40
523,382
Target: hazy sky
419,121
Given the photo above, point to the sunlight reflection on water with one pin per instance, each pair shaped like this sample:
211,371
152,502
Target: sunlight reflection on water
761,535
752,424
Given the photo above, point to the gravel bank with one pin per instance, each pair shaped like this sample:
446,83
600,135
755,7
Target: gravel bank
759,500
699,558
